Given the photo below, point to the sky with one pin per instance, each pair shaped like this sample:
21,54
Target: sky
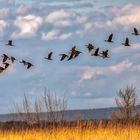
40,26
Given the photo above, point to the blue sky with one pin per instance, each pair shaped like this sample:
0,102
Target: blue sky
38,27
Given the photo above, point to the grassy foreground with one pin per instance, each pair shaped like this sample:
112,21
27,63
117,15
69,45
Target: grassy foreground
73,134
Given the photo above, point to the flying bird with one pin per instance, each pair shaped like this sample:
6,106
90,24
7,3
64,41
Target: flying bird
63,56
96,53
5,57
1,69
6,65
13,59
74,53
105,54
126,42
24,62
77,53
135,32
49,56
29,65
73,49
110,38
90,47
10,43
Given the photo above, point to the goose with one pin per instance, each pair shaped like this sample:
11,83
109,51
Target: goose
24,62
6,65
10,43
110,38
105,54
5,57
96,53
63,56
135,32
13,59
29,65
49,56
1,69
126,42
90,47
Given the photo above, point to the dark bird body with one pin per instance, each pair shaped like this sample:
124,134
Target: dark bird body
126,42
90,47
13,59
5,57
24,62
49,56
135,32
10,43
6,65
63,56
96,53
105,54
29,65
1,69
110,38
74,53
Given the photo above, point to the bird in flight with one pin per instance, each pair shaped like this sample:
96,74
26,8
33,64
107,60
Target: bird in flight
6,65
1,69
10,43
126,42
5,57
90,47
96,53
63,56
110,38
29,65
135,32
13,59
24,62
49,56
104,54
74,53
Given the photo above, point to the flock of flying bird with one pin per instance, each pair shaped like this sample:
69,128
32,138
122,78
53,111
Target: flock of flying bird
71,55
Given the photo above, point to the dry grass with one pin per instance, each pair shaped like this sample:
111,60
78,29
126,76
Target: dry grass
74,134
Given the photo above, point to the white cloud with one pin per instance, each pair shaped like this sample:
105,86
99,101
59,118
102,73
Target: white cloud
4,12
63,18
56,35
27,25
60,18
126,17
3,25
22,9
89,73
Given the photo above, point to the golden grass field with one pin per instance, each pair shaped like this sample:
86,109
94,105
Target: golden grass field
74,134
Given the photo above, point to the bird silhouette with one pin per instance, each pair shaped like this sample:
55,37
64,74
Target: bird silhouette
1,69
77,53
63,56
5,57
71,56
13,59
49,56
96,53
10,43
126,42
74,53
90,47
29,65
135,32
110,38
24,62
73,49
6,65
104,54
